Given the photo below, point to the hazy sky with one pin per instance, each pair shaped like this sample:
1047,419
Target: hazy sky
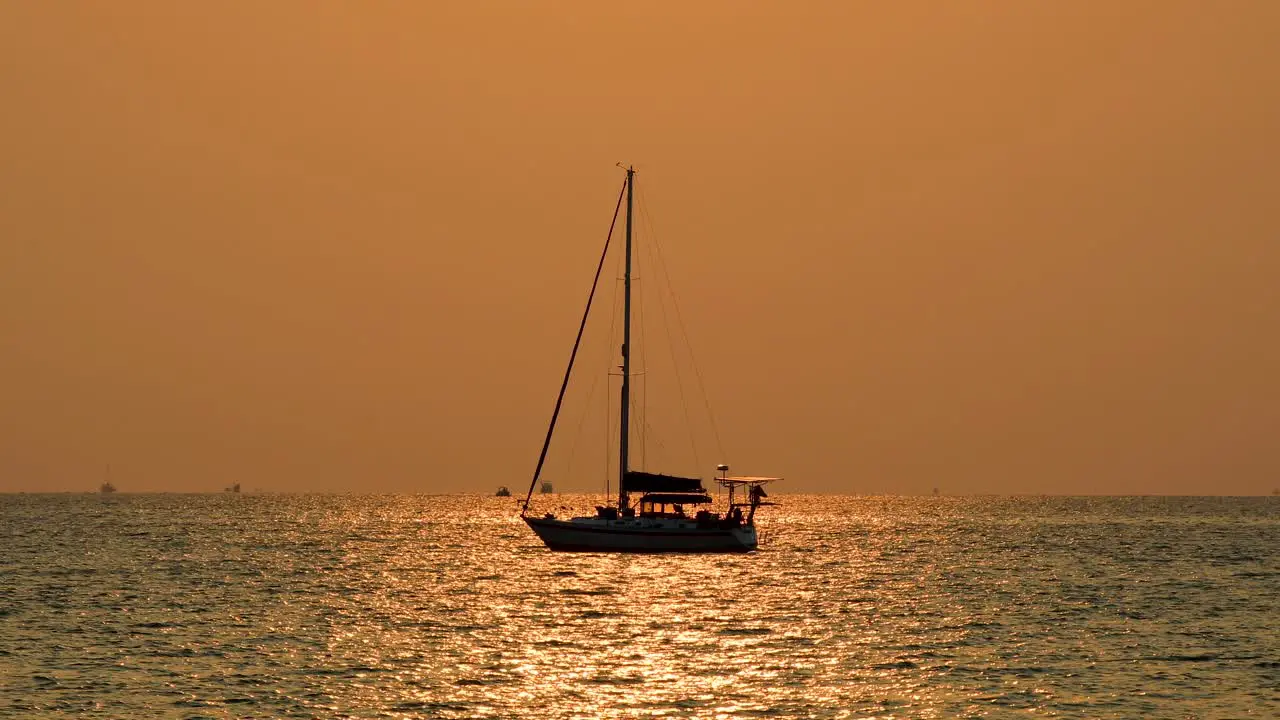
983,246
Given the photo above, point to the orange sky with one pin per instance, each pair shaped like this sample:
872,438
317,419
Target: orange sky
983,246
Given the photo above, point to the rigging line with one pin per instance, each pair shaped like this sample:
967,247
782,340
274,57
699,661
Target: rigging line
641,422
608,482
636,349
577,435
608,395
595,382
657,439
639,401
542,457
675,303
671,349
611,431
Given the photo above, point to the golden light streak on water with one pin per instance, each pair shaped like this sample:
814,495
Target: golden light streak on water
360,606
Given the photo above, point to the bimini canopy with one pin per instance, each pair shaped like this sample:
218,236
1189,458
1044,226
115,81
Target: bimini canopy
746,480
643,482
676,499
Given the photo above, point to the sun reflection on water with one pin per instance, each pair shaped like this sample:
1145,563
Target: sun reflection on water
832,621
448,607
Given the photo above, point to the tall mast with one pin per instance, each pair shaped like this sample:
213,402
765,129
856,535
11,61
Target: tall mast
626,354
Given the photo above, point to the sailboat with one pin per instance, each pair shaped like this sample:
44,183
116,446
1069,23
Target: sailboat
656,520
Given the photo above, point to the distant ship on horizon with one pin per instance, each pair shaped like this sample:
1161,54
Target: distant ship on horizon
233,489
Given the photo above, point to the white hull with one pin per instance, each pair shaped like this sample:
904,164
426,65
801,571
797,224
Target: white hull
589,534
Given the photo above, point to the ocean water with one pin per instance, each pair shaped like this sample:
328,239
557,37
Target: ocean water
275,606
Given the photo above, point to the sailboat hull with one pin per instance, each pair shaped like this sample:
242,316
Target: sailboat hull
642,535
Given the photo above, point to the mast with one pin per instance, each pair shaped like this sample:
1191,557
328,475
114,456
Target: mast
626,354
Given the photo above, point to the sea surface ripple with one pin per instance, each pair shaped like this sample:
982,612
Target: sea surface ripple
350,606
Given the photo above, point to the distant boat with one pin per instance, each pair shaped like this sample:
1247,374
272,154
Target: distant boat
656,522
234,488
106,487
546,488
503,492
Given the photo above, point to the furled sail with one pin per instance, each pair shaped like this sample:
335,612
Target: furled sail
636,481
